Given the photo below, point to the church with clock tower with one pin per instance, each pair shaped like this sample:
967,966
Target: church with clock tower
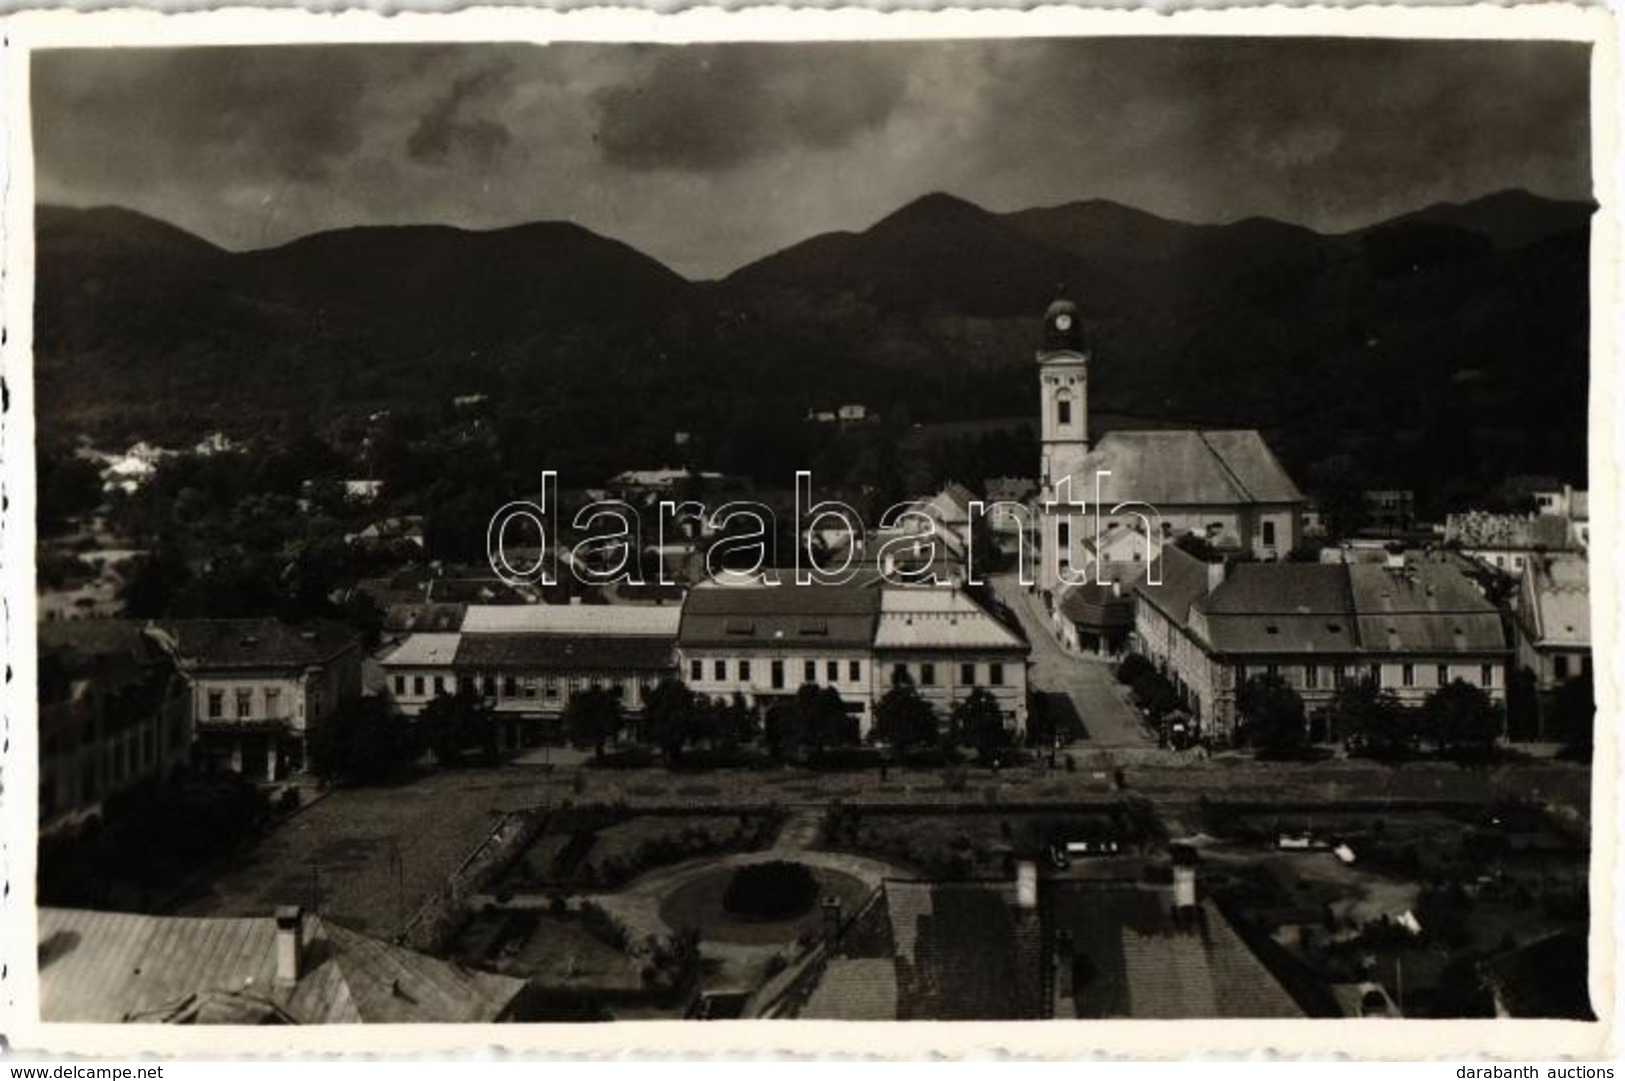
1225,486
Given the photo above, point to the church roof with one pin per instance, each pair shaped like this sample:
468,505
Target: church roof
1184,467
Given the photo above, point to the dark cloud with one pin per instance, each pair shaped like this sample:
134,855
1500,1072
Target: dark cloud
445,131
705,108
289,111
709,156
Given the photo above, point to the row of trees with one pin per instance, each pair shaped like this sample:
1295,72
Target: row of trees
1459,719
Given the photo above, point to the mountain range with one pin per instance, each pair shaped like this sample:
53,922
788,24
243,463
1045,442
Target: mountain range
1460,321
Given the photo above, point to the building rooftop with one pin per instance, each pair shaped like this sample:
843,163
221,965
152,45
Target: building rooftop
1186,467
822,616
106,967
1556,601
423,650
255,643
939,617
579,619
566,652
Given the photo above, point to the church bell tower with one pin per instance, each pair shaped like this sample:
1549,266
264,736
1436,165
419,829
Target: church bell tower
1063,373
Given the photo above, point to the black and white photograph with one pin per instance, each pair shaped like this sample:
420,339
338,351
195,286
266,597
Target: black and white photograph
1052,527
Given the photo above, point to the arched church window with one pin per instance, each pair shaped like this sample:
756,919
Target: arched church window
1063,409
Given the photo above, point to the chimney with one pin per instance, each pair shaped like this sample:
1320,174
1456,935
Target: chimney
1184,899
1065,963
1215,575
832,924
290,942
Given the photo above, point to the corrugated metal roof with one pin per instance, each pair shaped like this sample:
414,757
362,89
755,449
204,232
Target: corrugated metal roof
600,619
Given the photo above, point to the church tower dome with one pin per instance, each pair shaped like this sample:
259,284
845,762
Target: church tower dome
1063,329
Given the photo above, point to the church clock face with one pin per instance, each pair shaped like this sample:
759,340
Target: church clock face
1063,322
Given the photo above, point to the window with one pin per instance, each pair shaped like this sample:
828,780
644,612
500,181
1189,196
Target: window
439,684
1560,666
1311,676
719,670
217,704
1241,674
1444,675
1063,533
777,675
696,670
1407,675
1272,671
510,687
245,705
832,670
550,689
529,686
744,671
995,674
1063,410
854,670
273,701
1269,534
899,675
488,684
400,684
809,672
967,675
1376,675
465,684
417,686
1486,675
928,674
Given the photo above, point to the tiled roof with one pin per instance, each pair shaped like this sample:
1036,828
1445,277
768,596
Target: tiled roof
256,643
1426,608
424,616
963,952
1478,530
1132,960
1281,588
115,966
566,652
854,989
1009,489
1180,581
423,650
1097,606
824,616
939,618
1546,978
1185,467
653,620
1557,601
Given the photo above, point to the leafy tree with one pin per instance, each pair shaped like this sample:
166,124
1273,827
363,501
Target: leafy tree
737,721
1461,719
453,724
1155,694
814,719
903,718
1273,713
978,722
362,741
1573,710
1132,667
1372,721
593,718
668,715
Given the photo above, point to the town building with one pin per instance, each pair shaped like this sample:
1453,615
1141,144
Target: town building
1226,487
113,712
1508,542
985,950
1410,627
257,687
948,646
765,642
291,969
526,661
1553,619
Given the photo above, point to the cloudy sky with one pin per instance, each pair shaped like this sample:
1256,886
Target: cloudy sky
707,157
